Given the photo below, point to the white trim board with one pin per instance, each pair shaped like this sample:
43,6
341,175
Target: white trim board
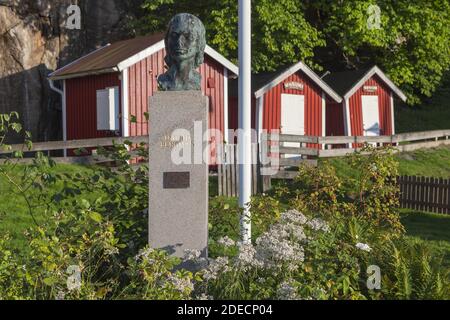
259,116
225,132
259,123
324,117
348,124
220,58
64,115
161,45
311,74
125,109
370,74
141,55
392,113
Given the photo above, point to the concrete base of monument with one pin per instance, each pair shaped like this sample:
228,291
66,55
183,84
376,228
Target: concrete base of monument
178,174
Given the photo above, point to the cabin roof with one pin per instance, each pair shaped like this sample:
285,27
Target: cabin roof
346,83
120,55
263,82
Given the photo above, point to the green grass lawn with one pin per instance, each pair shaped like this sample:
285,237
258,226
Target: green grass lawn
14,213
431,228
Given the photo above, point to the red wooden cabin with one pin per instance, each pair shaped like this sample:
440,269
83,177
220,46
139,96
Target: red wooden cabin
106,92
292,100
367,107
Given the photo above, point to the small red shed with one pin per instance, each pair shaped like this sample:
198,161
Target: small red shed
292,100
108,88
367,108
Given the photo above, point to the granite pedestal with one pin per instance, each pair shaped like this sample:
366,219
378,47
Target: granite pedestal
178,174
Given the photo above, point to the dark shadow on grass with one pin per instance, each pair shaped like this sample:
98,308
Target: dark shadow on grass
427,226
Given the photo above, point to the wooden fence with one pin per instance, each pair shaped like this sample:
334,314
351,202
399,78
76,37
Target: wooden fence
418,193
76,145
425,194
228,170
312,146
288,151
327,147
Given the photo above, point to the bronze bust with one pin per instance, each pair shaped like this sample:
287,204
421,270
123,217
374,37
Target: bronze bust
185,45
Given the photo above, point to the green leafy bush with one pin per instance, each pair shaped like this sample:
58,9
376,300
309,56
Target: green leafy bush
372,194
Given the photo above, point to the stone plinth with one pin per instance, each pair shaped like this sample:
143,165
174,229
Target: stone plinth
178,198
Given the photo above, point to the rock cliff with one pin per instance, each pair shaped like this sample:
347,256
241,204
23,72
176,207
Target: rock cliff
35,40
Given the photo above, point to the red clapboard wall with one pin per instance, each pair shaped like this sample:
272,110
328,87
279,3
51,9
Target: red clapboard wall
81,100
384,104
142,83
272,106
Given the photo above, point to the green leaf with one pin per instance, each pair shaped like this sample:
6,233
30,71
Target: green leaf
84,204
49,281
97,217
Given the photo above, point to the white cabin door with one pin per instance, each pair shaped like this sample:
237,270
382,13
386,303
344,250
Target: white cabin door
292,118
371,115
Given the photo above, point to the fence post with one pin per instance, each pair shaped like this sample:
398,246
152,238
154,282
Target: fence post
266,180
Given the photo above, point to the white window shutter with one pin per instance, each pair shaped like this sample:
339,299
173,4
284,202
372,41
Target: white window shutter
108,109
102,110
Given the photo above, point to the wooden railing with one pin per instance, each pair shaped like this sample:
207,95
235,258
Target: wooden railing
309,149
73,145
415,140
323,146
428,194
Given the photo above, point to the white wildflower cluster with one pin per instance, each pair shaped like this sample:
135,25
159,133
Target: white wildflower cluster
60,295
363,247
281,245
195,260
246,258
318,225
293,216
215,267
191,255
144,254
181,284
226,242
287,291
112,251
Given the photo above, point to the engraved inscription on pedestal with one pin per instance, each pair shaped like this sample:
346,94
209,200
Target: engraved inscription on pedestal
176,180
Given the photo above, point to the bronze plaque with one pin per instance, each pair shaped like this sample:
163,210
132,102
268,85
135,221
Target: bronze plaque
176,180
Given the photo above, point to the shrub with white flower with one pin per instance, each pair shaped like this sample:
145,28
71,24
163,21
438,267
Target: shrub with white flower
287,291
215,268
363,247
226,241
280,246
192,255
152,276
182,284
318,224
267,265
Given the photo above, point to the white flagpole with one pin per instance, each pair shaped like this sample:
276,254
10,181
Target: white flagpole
244,138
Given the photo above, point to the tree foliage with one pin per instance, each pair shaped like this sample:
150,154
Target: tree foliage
412,42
